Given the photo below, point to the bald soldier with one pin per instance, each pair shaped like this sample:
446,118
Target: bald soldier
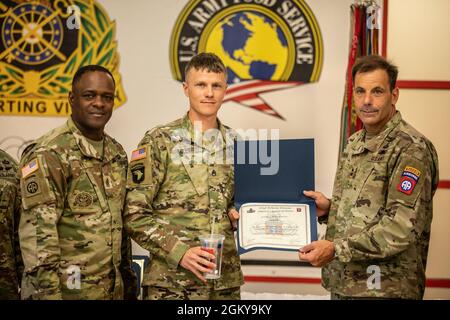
73,191
379,218
10,260
180,186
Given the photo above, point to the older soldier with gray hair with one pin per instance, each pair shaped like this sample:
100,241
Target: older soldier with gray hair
73,190
379,218
175,193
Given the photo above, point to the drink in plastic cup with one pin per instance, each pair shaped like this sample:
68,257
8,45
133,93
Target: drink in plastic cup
213,243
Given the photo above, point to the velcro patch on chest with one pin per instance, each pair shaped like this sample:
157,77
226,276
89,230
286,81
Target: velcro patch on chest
139,153
83,199
408,180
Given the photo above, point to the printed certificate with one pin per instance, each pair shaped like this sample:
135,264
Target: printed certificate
274,226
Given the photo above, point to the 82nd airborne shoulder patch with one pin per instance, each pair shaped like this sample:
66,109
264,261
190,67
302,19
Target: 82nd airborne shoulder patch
408,180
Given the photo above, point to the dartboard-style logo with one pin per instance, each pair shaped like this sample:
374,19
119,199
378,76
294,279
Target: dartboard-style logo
41,48
266,45
32,187
406,185
32,34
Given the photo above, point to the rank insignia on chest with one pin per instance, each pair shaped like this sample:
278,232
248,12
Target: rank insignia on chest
408,180
83,199
137,154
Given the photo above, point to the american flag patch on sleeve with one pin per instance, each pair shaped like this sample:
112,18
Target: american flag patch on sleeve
31,167
139,154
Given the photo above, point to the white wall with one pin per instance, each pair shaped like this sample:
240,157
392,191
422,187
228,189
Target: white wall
418,41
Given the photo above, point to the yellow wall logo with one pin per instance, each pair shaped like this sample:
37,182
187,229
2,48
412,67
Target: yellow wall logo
266,45
42,45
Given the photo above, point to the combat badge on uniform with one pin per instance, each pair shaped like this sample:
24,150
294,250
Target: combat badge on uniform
408,180
6,169
83,199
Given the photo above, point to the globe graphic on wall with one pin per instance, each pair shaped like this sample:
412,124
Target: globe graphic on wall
251,45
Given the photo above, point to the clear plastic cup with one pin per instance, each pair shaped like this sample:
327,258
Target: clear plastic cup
213,243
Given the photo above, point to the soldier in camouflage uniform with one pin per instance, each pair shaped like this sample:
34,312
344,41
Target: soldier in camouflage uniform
10,260
379,218
73,190
180,186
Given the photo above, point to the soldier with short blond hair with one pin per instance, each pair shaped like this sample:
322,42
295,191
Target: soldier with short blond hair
180,186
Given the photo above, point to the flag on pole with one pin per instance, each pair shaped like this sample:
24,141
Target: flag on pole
364,40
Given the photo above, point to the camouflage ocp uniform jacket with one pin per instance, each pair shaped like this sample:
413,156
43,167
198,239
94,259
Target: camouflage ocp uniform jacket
381,214
71,231
174,196
10,259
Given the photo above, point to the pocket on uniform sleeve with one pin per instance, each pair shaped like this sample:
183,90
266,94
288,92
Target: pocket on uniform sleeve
34,184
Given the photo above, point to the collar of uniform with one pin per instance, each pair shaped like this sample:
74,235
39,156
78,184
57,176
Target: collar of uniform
87,149
188,125
375,143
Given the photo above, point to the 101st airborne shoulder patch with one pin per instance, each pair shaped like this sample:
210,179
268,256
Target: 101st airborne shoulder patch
138,172
408,180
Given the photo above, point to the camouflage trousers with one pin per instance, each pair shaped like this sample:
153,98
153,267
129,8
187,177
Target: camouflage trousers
335,296
9,289
160,293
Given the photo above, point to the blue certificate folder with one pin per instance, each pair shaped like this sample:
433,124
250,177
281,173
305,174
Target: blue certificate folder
295,173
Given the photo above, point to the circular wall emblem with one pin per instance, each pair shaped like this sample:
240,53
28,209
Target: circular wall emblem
266,45
42,44
275,40
33,33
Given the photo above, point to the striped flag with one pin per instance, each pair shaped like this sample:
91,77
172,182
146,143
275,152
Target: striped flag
365,30
139,153
247,93
31,167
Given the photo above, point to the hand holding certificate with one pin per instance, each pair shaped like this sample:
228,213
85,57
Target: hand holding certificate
274,213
